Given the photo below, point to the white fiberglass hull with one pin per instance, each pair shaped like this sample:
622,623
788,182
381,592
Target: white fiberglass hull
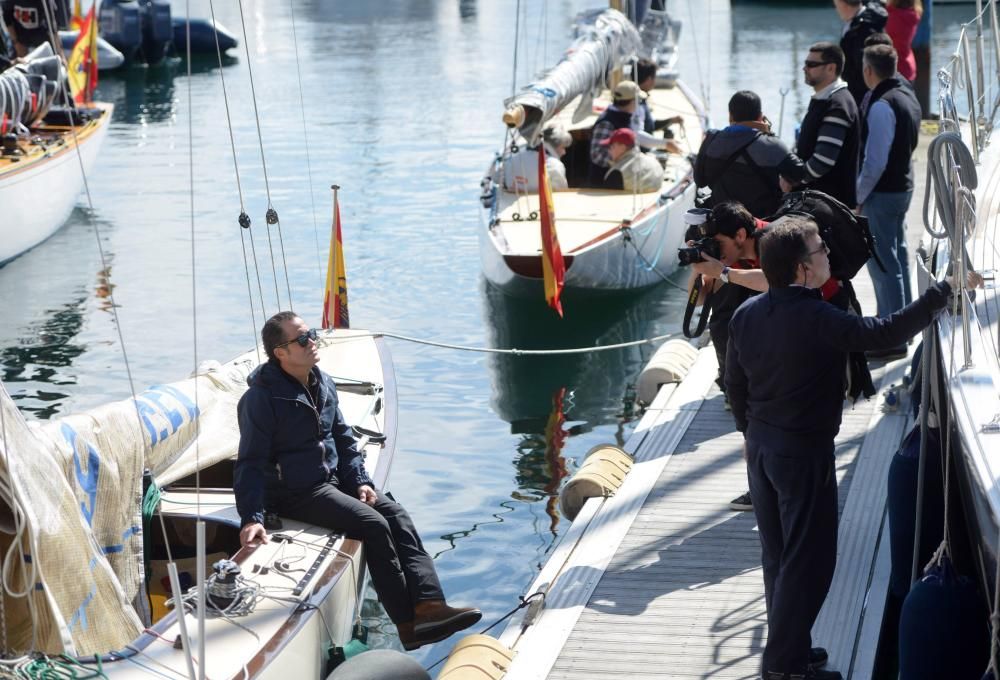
38,196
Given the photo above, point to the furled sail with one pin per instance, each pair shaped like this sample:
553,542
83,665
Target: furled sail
606,39
69,499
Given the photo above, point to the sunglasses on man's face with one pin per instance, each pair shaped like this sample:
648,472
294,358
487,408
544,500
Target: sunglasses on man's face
814,64
303,339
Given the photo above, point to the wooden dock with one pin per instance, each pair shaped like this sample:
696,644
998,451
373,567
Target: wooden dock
663,580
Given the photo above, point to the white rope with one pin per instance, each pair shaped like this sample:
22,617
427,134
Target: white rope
494,350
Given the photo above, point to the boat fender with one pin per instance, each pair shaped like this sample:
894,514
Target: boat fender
601,474
669,364
380,663
943,628
902,505
477,657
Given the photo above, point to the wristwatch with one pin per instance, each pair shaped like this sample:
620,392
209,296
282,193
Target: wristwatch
724,275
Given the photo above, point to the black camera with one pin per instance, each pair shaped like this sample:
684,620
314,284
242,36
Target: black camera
691,254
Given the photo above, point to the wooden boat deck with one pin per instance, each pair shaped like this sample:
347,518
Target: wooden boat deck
663,580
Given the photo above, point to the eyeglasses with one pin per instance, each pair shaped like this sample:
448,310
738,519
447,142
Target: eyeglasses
814,64
303,339
823,248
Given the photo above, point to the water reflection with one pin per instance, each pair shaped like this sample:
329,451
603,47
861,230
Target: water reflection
147,94
41,342
549,399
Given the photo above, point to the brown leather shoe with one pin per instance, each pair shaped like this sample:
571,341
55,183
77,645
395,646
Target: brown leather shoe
433,621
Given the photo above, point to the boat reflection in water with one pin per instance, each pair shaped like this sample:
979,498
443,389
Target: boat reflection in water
148,94
548,399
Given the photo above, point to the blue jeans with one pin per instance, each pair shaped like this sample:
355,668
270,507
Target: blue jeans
886,213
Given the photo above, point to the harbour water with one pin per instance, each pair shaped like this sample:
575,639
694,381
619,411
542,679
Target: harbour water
402,103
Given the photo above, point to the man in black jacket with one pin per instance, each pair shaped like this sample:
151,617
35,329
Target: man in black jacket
861,19
297,456
743,161
828,137
785,375
885,186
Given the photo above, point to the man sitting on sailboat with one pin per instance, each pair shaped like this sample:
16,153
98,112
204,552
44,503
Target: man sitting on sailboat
298,457
620,114
631,169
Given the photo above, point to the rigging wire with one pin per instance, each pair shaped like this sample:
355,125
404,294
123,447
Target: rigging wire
305,138
517,39
146,445
194,277
272,215
244,218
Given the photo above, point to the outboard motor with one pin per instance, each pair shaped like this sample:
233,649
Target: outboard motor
121,26
157,30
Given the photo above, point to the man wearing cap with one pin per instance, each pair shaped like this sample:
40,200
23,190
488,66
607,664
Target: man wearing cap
630,169
626,96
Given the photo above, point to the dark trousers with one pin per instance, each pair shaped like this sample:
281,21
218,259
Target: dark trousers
402,572
794,491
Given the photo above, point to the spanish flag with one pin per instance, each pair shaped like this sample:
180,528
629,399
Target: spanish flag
82,65
553,267
76,21
335,298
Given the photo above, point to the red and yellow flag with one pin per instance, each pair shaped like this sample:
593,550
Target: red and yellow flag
553,267
76,21
82,63
335,298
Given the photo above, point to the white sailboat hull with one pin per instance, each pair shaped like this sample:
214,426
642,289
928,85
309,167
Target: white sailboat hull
611,241
637,257
38,195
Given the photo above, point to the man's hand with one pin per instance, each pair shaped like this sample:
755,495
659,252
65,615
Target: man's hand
708,266
367,494
674,147
859,209
786,186
253,535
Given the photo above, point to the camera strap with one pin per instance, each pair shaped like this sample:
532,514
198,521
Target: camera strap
706,309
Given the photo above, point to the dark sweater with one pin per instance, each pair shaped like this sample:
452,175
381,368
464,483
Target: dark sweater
828,143
787,355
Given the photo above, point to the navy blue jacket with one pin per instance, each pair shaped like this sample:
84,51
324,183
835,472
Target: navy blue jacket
290,444
787,358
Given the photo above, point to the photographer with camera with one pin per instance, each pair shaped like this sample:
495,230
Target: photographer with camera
723,253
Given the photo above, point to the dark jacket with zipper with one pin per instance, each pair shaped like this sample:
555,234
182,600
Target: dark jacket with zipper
291,439
787,354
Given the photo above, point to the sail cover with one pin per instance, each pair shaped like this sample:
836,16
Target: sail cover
70,525
606,39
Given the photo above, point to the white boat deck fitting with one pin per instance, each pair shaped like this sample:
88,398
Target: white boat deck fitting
663,580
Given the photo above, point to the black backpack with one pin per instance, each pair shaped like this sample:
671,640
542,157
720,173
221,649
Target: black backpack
847,235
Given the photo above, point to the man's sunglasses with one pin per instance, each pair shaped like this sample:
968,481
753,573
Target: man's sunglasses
814,64
303,339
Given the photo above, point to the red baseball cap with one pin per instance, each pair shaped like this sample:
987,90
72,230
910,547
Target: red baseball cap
620,136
